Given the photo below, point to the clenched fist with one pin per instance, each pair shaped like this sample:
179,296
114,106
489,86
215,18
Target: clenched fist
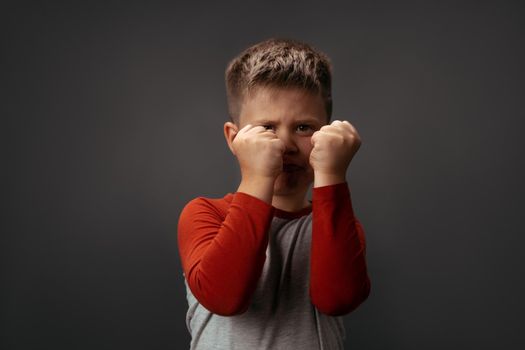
259,152
334,146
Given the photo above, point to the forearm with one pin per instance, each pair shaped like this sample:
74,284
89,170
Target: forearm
259,187
223,260
338,277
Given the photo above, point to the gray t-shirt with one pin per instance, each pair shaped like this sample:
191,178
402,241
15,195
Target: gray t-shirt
281,315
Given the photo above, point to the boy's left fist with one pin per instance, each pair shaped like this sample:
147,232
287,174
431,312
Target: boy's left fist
334,148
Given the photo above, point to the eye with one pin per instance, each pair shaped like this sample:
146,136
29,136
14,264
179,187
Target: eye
267,126
304,127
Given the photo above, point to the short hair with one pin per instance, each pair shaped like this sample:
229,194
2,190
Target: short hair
278,62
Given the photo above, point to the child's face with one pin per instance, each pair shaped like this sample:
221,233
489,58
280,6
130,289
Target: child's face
294,115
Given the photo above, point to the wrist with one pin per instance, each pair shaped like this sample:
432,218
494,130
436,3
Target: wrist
260,187
323,179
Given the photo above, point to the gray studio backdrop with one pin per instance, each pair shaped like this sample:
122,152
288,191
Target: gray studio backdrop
112,118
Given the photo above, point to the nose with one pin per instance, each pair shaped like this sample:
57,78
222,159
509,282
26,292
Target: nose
289,141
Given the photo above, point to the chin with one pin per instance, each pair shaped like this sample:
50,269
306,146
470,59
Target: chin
287,184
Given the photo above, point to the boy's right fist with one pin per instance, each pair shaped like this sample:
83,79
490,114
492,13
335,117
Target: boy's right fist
259,152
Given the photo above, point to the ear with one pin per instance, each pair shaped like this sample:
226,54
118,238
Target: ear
230,131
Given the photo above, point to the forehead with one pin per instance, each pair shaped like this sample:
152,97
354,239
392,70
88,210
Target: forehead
282,105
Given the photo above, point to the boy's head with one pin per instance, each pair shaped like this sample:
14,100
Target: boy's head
285,85
277,63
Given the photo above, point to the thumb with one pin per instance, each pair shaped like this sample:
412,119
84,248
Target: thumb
313,138
235,133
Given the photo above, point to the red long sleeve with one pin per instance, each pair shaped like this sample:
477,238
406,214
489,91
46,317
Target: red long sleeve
339,279
222,246
223,249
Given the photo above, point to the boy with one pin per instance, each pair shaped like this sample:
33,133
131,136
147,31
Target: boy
263,267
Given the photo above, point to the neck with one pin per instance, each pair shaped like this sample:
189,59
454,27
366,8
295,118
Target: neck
291,203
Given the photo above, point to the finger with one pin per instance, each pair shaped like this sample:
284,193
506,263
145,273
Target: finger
266,132
347,124
235,132
353,130
313,138
257,129
347,128
334,133
330,129
249,129
260,131
324,135
244,129
339,123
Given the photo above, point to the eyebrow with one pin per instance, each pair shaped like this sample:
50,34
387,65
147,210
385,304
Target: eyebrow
300,121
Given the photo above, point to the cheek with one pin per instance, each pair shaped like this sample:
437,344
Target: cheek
306,147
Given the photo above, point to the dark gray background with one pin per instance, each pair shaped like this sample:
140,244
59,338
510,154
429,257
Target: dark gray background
112,116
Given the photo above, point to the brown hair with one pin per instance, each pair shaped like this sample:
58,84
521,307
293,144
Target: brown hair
278,62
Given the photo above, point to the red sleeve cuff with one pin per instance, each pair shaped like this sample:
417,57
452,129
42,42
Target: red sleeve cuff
252,204
337,195
329,192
